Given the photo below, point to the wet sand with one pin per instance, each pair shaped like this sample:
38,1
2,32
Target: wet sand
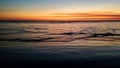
22,54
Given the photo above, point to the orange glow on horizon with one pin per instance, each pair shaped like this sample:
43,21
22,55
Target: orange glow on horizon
63,16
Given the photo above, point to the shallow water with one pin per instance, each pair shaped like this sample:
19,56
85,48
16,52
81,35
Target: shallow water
57,32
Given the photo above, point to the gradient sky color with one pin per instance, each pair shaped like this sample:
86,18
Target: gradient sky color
59,9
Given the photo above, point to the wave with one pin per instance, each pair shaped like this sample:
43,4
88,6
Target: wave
42,33
68,37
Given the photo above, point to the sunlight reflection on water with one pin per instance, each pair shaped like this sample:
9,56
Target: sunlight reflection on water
91,33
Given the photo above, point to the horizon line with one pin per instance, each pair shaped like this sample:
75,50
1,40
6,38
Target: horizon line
59,20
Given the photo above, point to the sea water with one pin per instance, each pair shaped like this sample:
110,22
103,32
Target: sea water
55,42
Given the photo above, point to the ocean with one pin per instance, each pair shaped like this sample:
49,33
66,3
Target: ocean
77,43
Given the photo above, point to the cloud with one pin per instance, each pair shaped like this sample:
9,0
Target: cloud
95,14
92,15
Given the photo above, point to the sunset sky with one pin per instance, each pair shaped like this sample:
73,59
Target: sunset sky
59,9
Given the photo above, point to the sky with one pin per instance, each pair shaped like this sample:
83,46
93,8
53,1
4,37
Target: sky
59,9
